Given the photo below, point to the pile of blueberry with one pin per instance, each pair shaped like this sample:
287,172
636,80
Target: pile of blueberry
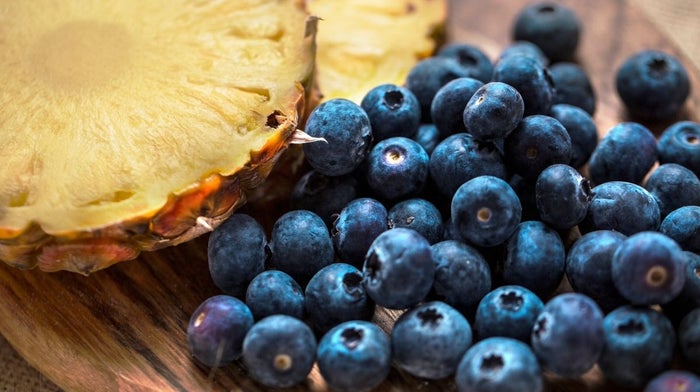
477,200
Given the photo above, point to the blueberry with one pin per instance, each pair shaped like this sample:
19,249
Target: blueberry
427,76
499,364
335,295
525,188
428,136
236,251
680,143
582,131
568,335
648,268
626,153
279,351
300,245
589,267
507,311
674,380
621,206
562,195
537,142
460,158
674,186
357,225
398,270
493,111
525,48
419,215
323,195
354,356
485,211
462,275
553,27
475,62
639,344
652,84
429,340
535,258
689,297
392,110
275,292
347,132
689,339
447,106
530,78
683,226
216,330
573,86
397,167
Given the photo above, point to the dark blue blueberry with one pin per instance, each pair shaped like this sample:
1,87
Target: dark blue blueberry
419,215
462,276
530,78
475,62
680,143
589,267
621,206
499,364
275,292
689,297
652,84
648,268
357,225
508,311
448,105
683,226
300,245
216,330
335,295
562,195
485,211
639,344
428,136
626,153
393,111
674,380
279,351
525,48
674,186
537,142
689,339
573,86
323,195
354,356
399,269
429,340
397,167
568,335
535,258
553,27
427,76
459,158
493,111
582,131
348,137
236,253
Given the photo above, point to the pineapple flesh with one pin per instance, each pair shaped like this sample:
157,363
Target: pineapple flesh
136,124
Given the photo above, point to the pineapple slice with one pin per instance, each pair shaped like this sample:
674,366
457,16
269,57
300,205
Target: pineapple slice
364,43
136,124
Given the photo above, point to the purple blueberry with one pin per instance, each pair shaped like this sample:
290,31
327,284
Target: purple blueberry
475,62
392,110
279,351
552,26
621,206
582,131
398,271
680,143
419,215
397,167
447,107
429,340
507,311
674,186
537,142
499,364
562,196
674,380
275,292
216,330
493,111
356,226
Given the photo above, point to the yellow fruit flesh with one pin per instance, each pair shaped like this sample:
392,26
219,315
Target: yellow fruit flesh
364,43
111,107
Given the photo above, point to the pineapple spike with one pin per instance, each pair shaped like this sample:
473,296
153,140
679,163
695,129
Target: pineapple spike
301,137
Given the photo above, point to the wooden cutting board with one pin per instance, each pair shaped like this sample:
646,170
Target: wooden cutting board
123,329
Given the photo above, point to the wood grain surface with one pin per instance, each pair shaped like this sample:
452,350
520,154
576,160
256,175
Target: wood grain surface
123,329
